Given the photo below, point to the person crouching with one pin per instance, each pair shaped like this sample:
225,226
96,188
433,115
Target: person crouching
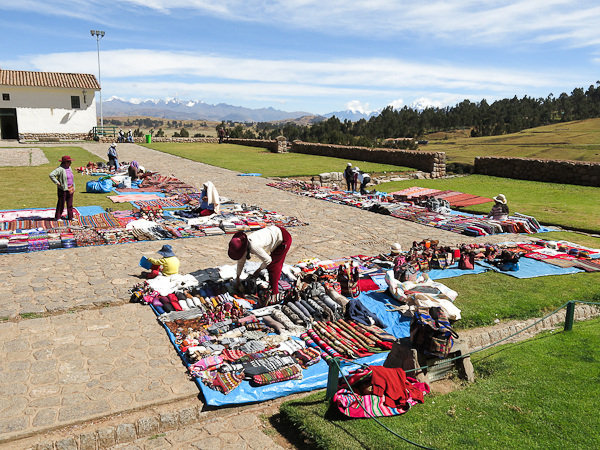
168,264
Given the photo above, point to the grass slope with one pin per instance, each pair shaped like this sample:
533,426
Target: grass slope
516,403
30,187
566,205
257,160
577,141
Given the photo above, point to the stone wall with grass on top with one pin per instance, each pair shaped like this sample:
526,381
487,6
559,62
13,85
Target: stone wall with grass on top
546,170
433,163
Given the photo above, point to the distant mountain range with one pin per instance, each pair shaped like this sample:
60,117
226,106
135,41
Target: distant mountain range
198,110
192,110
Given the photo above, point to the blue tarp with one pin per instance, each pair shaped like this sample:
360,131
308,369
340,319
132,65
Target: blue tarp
249,174
531,268
454,271
90,210
315,377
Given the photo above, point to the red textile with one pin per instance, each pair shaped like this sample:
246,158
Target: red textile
392,384
366,285
277,259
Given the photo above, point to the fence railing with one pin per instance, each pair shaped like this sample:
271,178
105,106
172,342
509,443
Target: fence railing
108,130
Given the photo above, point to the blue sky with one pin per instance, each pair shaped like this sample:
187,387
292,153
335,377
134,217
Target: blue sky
311,55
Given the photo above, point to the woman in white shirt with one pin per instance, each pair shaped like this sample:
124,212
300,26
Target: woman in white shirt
270,245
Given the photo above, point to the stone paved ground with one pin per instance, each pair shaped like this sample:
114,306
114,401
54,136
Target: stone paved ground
98,356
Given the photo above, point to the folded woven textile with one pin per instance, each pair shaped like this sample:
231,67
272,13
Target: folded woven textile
293,372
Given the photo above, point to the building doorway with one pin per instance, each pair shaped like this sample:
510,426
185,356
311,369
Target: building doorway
8,123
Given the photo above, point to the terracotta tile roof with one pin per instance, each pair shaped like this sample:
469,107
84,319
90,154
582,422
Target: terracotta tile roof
48,79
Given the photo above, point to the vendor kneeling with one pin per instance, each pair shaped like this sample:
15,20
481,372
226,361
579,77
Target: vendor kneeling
500,209
169,263
210,199
270,245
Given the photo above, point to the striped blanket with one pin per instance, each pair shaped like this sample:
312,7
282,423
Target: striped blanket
105,220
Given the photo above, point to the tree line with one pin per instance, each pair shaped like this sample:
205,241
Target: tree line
500,117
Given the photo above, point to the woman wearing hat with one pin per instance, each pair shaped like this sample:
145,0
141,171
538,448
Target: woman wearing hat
500,209
349,176
63,178
270,245
113,159
169,263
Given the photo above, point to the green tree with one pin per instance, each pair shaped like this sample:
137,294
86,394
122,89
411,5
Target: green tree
184,133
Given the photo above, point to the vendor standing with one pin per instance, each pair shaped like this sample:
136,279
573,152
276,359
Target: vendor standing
63,178
113,158
500,209
270,245
349,177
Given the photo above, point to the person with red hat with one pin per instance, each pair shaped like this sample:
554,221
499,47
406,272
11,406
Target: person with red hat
63,178
270,245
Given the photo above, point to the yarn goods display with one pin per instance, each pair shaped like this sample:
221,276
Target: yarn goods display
429,207
31,230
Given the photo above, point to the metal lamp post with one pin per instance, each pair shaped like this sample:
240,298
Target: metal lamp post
99,35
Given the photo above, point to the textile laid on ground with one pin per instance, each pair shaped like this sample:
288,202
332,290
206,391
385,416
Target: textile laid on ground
28,231
401,205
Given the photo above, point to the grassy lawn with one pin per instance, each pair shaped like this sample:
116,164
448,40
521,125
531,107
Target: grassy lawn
577,141
565,205
516,403
30,187
244,159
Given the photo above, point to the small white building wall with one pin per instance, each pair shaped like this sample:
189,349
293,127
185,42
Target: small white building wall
48,110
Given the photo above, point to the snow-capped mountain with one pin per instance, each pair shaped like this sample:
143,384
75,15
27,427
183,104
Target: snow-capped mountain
193,110
352,115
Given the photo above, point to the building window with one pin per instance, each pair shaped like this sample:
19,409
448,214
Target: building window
75,103
6,97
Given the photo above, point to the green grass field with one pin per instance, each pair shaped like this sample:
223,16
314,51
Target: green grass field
565,205
257,160
577,141
538,394
30,187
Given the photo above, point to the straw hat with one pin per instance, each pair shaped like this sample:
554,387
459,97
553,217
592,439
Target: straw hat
395,248
500,198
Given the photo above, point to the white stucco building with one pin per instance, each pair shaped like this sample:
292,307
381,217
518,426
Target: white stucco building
46,104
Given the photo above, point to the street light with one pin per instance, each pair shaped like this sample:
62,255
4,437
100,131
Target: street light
99,35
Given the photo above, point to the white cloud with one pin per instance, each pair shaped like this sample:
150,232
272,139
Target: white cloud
472,22
356,73
357,106
396,104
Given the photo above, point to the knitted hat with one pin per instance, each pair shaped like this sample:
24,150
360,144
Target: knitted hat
166,251
500,198
238,245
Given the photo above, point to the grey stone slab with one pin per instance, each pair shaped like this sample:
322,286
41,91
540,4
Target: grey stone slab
126,432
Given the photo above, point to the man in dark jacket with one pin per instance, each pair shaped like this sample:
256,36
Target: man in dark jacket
349,176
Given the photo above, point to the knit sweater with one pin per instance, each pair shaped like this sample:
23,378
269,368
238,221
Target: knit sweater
59,177
170,265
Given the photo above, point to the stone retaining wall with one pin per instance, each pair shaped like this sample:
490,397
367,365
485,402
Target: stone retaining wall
433,163
53,136
548,170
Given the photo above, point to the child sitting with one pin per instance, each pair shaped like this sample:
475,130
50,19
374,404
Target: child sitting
169,263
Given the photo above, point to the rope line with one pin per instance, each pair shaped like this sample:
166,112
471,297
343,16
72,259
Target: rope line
445,362
375,418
